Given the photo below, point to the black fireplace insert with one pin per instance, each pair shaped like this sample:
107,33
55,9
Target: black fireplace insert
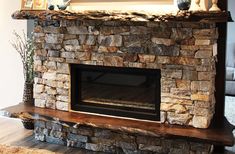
116,91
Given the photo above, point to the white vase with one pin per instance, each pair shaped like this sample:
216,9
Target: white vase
214,6
195,5
204,5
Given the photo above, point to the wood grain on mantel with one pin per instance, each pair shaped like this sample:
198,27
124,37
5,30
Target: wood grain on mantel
216,136
181,16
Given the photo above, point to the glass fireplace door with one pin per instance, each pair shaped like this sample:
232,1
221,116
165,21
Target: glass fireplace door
125,92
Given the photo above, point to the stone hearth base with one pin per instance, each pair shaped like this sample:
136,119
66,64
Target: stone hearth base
105,140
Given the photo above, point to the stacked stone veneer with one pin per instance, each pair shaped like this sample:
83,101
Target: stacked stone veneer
184,52
109,141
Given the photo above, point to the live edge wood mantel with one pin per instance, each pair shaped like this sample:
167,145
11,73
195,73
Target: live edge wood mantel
181,16
216,136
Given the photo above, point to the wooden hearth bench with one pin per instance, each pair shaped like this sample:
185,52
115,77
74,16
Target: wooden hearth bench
222,136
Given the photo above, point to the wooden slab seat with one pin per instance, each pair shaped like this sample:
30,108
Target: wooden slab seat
222,136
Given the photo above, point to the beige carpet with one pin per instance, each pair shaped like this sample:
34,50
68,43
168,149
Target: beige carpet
5,149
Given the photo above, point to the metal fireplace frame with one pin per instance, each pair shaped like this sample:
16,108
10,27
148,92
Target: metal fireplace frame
77,105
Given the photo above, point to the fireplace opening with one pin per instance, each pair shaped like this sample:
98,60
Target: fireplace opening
116,91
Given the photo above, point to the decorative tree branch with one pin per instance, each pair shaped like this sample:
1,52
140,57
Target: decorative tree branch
25,47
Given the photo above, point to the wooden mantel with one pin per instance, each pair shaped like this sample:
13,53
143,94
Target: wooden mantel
181,16
216,136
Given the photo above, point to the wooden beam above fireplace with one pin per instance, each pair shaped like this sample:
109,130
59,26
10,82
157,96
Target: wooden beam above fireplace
216,136
181,16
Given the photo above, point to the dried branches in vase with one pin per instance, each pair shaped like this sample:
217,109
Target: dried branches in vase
25,47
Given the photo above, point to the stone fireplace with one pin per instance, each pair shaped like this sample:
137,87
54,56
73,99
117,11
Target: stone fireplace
125,82
184,53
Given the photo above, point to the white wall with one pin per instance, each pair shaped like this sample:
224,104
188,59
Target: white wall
231,36
11,76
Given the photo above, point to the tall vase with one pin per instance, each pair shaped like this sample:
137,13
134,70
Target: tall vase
204,4
28,93
214,6
183,4
195,5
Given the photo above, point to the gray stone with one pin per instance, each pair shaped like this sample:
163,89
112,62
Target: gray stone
134,50
50,65
57,134
50,90
77,30
73,42
39,123
127,145
49,75
69,36
203,54
83,56
135,40
54,125
53,53
181,119
139,30
82,39
171,73
189,75
40,137
201,121
62,98
97,57
62,91
69,55
113,61
54,38
183,93
38,88
86,131
54,140
161,32
144,140
111,40
163,41
103,133
62,68
143,58
201,86
205,33
152,148
62,77
91,40
71,48
93,30
187,53
205,112
40,103
179,34
135,64
93,147
162,50
80,145
57,59
108,30
49,46
50,104
77,138
52,29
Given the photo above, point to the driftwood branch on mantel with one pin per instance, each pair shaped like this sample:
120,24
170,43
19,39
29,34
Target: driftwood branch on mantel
181,16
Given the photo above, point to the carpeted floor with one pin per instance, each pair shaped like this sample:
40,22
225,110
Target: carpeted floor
5,149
